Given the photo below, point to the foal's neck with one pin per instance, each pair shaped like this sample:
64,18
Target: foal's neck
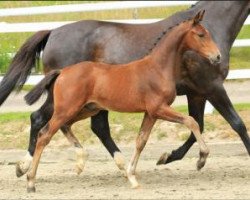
167,53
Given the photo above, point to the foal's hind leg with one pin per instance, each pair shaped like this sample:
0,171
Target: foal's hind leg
81,153
141,141
169,114
44,137
64,112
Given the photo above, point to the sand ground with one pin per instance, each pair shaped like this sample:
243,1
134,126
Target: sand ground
225,176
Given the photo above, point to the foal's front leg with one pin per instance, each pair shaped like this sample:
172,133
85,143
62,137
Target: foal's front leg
196,106
146,127
167,113
81,153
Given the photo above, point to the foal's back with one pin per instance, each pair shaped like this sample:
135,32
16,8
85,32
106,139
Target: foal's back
124,88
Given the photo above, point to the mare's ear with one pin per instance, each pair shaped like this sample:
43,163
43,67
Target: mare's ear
198,17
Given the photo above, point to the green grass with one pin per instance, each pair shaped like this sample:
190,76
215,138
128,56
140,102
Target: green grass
15,4
14,116
242,106
27,87
244,33
124,127
240,58
143,13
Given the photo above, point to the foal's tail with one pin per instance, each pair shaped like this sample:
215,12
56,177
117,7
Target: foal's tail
22,63
40,88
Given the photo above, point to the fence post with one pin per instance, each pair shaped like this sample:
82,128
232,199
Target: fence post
135,13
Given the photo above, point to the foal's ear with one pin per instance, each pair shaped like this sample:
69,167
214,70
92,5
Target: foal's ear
198,17
202,15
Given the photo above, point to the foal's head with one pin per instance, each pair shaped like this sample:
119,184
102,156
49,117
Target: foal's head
198,39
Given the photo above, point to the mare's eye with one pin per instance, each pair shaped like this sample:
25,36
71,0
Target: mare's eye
201,35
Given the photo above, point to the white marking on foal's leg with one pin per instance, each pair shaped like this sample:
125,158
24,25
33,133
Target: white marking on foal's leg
131,176
81,158
24,165
131,170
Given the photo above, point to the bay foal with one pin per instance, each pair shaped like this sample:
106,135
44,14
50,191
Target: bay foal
146,85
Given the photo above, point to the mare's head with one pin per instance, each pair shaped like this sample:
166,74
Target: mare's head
199,40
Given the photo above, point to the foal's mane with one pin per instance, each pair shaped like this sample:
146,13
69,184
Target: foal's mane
166,32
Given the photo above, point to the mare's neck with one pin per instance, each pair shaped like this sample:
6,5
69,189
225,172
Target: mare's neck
224,20
167,53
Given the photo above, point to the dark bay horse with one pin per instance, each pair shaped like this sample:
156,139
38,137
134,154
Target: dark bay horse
121,43
146,85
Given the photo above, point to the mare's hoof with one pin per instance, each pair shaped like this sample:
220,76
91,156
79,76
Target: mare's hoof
31,189
19,171
163,159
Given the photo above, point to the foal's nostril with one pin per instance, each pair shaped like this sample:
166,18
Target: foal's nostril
218,57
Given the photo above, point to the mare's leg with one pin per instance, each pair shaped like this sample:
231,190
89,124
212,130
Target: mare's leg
100,126
220,100
196,107
141,141
81,153
171,115
38,120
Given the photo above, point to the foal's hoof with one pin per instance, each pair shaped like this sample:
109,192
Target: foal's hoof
136,186
202,161
79,168
31,189
19,171
163,159
124,174
78,171
200,165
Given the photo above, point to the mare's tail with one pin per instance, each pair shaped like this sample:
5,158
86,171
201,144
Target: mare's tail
22,63
41,87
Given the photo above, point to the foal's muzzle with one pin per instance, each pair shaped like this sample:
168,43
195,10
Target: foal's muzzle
215,59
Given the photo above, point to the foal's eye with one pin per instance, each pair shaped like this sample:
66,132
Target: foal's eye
201,35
